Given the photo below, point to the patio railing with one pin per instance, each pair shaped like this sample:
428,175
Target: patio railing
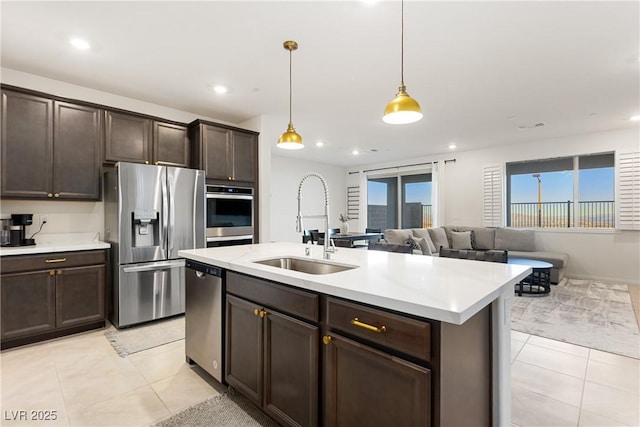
595,214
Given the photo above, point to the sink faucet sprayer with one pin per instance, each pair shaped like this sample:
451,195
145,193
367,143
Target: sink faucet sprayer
299,227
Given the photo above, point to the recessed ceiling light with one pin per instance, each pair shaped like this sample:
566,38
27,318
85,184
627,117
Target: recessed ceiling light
319,144
220,89
79,44
355,152
452,146
634,118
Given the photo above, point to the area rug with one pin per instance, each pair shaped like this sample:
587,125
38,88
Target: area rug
138,338
582,312
225,410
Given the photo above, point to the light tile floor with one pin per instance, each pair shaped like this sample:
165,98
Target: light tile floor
86,383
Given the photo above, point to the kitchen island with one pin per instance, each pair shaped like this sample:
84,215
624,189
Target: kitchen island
459,308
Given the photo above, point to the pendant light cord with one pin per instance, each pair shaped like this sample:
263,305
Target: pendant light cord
402,43
290,90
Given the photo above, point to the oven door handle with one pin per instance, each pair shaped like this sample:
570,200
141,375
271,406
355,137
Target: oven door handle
227,238
227,196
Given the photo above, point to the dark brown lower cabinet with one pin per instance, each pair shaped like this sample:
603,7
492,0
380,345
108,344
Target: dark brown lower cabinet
28,304
49,295
367,387
273,359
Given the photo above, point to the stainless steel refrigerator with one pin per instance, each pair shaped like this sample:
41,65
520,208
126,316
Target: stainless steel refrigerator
151,212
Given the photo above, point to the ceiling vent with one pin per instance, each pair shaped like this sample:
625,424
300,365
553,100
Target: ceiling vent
533,126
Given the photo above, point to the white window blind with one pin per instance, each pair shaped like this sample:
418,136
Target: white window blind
492,195
628,191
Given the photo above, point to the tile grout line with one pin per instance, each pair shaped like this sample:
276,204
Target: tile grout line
584,385
64,398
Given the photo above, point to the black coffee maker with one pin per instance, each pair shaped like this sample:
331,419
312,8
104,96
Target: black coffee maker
17,235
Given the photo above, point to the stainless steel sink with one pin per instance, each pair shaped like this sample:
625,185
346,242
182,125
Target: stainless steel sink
306,265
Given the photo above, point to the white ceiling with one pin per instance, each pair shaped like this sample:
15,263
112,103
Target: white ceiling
479,69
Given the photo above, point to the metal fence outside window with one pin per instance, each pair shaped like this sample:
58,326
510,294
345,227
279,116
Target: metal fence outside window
595,214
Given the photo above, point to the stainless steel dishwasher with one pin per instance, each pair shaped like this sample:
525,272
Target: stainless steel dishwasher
203,317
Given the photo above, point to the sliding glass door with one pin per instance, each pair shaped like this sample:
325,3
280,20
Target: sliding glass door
399,202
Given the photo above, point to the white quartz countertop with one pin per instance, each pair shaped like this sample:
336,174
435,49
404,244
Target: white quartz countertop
58,242
445,289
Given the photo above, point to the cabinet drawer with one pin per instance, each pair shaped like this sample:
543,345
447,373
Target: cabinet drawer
53,260
408,336
292,301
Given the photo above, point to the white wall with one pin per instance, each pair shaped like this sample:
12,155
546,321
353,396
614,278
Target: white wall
286,173
606,255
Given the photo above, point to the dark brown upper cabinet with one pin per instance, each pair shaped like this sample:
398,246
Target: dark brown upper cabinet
139,139
50,149
226,154
127,138
170,145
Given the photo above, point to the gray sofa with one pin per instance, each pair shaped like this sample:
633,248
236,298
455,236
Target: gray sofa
518,243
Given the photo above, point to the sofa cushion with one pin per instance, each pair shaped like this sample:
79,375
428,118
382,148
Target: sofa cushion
438,237
397,236
515,240
424,234
484,238
424,245
461,240
557,259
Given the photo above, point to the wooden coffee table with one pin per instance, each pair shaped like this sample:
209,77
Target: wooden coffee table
539,281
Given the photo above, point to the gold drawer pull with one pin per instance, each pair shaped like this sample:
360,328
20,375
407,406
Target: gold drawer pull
368,327
326,339
53,261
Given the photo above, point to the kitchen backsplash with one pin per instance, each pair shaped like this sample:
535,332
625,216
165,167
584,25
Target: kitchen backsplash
62,217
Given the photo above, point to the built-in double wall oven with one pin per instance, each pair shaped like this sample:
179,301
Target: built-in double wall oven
229,215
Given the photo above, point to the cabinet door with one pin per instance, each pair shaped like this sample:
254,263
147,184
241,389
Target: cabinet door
80,296
244,343
27,304
367,387
27,145
291,370
244,156
127,138
170,145
76,154
216,153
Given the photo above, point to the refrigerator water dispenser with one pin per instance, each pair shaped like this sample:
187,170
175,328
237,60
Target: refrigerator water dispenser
145,230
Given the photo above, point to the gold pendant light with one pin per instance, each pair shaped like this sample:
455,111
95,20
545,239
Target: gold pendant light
290,140
402,109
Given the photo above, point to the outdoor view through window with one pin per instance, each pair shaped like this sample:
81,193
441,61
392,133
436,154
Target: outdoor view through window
413,207
563,192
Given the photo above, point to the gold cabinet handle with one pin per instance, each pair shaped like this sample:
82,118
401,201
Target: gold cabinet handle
52,272
326,339
56,195
53,261
146,162
59,272
156,163
259,312
368,327
49,194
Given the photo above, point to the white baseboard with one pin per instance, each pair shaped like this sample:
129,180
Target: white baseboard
604,279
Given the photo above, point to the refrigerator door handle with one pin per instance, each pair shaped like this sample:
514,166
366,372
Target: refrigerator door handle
155,266
171,211
165,209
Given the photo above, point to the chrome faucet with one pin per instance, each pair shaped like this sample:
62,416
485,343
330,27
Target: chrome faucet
328,250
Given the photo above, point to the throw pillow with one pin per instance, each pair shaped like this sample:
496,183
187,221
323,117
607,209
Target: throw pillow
415,246
438,237
424,233
484,238
424,244
473,237
396,236
461,240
